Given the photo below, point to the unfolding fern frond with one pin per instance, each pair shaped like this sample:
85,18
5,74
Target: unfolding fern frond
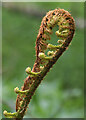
44,62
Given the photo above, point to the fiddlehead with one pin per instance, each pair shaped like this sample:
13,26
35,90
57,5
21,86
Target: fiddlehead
44,62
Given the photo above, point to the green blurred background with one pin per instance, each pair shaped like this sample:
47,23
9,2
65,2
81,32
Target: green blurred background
61,94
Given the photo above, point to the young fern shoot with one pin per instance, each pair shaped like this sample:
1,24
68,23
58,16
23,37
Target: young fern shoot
44,62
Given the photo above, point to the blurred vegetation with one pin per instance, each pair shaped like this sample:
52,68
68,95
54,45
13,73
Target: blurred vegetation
60,95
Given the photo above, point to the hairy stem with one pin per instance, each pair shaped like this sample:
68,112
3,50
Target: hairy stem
44,62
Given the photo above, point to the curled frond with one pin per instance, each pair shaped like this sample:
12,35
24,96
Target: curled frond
44,62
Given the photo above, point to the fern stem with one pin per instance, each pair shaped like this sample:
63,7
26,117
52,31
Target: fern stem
43,63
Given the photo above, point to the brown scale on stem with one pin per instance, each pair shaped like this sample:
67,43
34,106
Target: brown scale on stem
65,21
44,62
